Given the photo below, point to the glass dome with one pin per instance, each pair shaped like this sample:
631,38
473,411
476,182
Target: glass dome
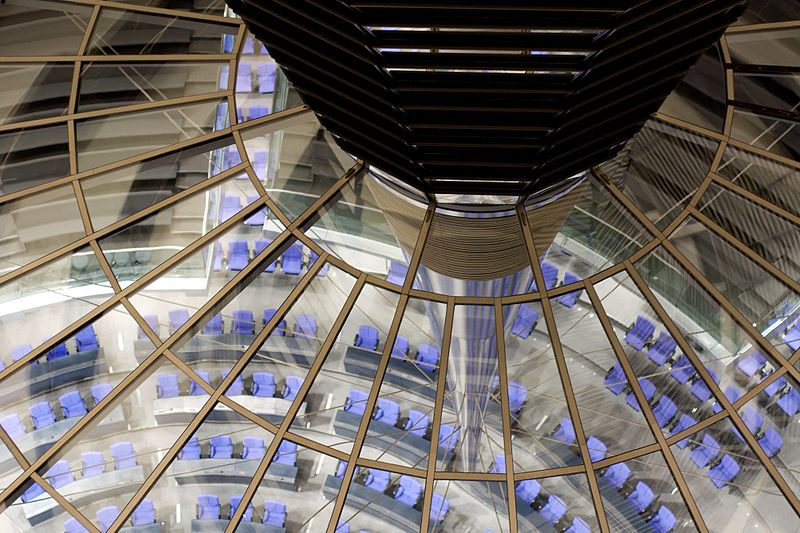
215,319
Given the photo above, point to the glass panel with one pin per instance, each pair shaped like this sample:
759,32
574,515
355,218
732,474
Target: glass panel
470,428
769,179
104,85
32,156
777,91
382,501
767,11
36,225
128,32
536,398
260,89
9,471
114,195
701,98
209,7
765,47
140,247
772,134
594,231
34,91
661,168
48,396
107,139
732,489
296,163
641,495
611,415
42,28
559,503
338,396
458,504
18,516
400,430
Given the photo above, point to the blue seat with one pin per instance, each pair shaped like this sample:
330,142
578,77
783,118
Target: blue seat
92,464
397,273
597,448
642,497
409,491
615,380
387,411
237,387
665,411
527,490
752,419
243,322
724,471
699,389
617,474
305,326
259,162
57,352
417,422
648,389
73,526
221,447
356,401
565,432
18,352
427,357
291,387
236,501
684,422
260,246
274,513
13,425
100,391
731,393
439,508
570,299
123,455
312,258
167,386
214,326
190,450
448,437
194,388
377,480
263,384
208,507
217,254
341,466
32,492
771,442
267,73
663,521
517,396
259,217
789,402
705,452
401,347
280,329
253,448
525,321
750,364
792,337
578,526
640,333
106,516
287,453
144,514
230,206
682,370
549,274
227,43
60,474
41,415
177,318
152,322
72,405
292,262
663,349
86,339
367,338
554,510
777,387
499,465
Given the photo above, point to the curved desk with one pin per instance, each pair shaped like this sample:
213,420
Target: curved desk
211,526
200,471
399,372
183,408
377,504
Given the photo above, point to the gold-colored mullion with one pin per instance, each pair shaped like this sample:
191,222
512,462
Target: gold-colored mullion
64,503
14,449
281,116
469,476
141,322
756,199
559,471
159,11
391,467
105,266
647,411
561,363
233,114
696,428
505,412
83,209
763,26
212,401
702,371
313,372
694,128
647,449
140,58
766,154
436,423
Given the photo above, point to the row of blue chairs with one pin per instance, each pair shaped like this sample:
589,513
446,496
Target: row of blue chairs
291,261
527,317
550,506
247,82
230,204
42,414
261,384
143,515
405,489
85,340
209,508
92,464
780,392
230,157
222,447
426,356
243,323
415,422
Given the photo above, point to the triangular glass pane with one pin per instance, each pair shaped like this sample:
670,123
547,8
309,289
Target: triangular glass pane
536,397
379,500
556,502
458,505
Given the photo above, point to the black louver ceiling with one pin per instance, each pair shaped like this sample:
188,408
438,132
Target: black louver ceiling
504,97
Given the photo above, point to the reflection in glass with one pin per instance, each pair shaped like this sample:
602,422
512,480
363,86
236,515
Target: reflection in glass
43,28
456,505
34,91
700,98
775,135
378,500
560,503
32,156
